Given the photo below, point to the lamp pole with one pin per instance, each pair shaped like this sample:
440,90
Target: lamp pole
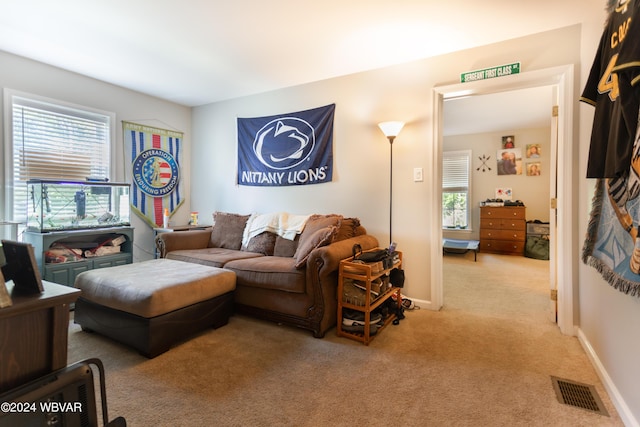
391,130
391,138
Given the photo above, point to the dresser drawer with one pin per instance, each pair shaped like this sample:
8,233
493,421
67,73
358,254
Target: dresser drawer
503,224
513,212
511,235
502,247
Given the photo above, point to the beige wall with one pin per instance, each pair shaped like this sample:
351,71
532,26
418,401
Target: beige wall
361,162
33,77
607,319
361,152
533,191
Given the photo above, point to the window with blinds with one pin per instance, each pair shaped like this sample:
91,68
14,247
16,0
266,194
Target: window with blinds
58,142
456,173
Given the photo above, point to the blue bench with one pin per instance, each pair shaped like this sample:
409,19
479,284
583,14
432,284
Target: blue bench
461,247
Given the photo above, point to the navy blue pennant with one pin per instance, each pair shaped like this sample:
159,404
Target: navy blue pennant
287,149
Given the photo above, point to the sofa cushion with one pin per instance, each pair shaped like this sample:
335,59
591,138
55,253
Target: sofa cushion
269,272
264,243
214,257
285,247
319,231
227,230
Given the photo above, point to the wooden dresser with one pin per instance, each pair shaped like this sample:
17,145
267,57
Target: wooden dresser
503,229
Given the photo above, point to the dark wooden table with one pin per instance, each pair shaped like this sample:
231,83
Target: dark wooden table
33,334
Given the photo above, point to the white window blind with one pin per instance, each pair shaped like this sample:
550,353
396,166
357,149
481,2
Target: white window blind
455,170
456,173
58,142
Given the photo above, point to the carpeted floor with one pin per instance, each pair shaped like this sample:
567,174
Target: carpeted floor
486,359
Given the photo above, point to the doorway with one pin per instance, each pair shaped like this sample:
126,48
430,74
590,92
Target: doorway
481,127
562,230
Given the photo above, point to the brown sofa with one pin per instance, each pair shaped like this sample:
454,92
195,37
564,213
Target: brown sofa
286,281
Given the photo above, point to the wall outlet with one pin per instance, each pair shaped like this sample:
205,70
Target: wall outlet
417,175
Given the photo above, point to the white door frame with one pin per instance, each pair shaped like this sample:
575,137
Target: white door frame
561,78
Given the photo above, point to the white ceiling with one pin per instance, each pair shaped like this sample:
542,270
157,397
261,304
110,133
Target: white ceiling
195,52
518,109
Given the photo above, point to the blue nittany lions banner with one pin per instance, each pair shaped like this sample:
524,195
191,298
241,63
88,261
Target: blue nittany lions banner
289,149
156,155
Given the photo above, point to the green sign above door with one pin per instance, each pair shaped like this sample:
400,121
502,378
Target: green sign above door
489,73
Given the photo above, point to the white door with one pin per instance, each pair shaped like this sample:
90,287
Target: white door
553,192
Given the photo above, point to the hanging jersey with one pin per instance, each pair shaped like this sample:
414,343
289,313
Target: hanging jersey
613,93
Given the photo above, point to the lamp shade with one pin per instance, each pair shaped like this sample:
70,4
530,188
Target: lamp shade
391,129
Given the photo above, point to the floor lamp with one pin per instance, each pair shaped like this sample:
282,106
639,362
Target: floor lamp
391,130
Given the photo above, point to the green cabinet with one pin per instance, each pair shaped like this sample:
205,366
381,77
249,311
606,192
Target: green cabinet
65,273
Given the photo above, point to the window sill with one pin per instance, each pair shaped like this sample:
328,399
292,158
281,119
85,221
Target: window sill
456,229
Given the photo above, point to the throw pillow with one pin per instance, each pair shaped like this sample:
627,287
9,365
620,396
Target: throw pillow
348,228
264,243
319,230
227,230
316,222
319,238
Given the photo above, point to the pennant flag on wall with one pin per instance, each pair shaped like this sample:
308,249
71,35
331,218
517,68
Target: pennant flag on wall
156,156
288,149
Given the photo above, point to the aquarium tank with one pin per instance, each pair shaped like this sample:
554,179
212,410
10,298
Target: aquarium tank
55,205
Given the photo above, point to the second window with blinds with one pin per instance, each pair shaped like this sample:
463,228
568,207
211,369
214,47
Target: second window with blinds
456,194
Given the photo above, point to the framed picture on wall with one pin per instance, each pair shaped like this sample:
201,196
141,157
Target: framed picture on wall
533,169
509,162
508,141
533,151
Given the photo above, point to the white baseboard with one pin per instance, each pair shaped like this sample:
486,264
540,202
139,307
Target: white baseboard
423,304
616,398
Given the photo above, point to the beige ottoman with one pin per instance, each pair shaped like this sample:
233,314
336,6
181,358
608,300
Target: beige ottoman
151,305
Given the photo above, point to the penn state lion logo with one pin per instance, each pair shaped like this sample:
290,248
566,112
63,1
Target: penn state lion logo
284,143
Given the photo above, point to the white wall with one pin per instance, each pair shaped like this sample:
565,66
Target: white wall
33,77
533,191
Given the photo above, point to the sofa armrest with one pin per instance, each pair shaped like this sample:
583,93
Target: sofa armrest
322,278
330,256
179,240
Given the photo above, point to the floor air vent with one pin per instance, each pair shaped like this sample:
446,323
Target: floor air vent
579,395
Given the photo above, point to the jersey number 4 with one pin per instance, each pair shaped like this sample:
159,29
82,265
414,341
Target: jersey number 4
609,81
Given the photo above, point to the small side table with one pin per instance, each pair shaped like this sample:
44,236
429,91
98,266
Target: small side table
173,228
